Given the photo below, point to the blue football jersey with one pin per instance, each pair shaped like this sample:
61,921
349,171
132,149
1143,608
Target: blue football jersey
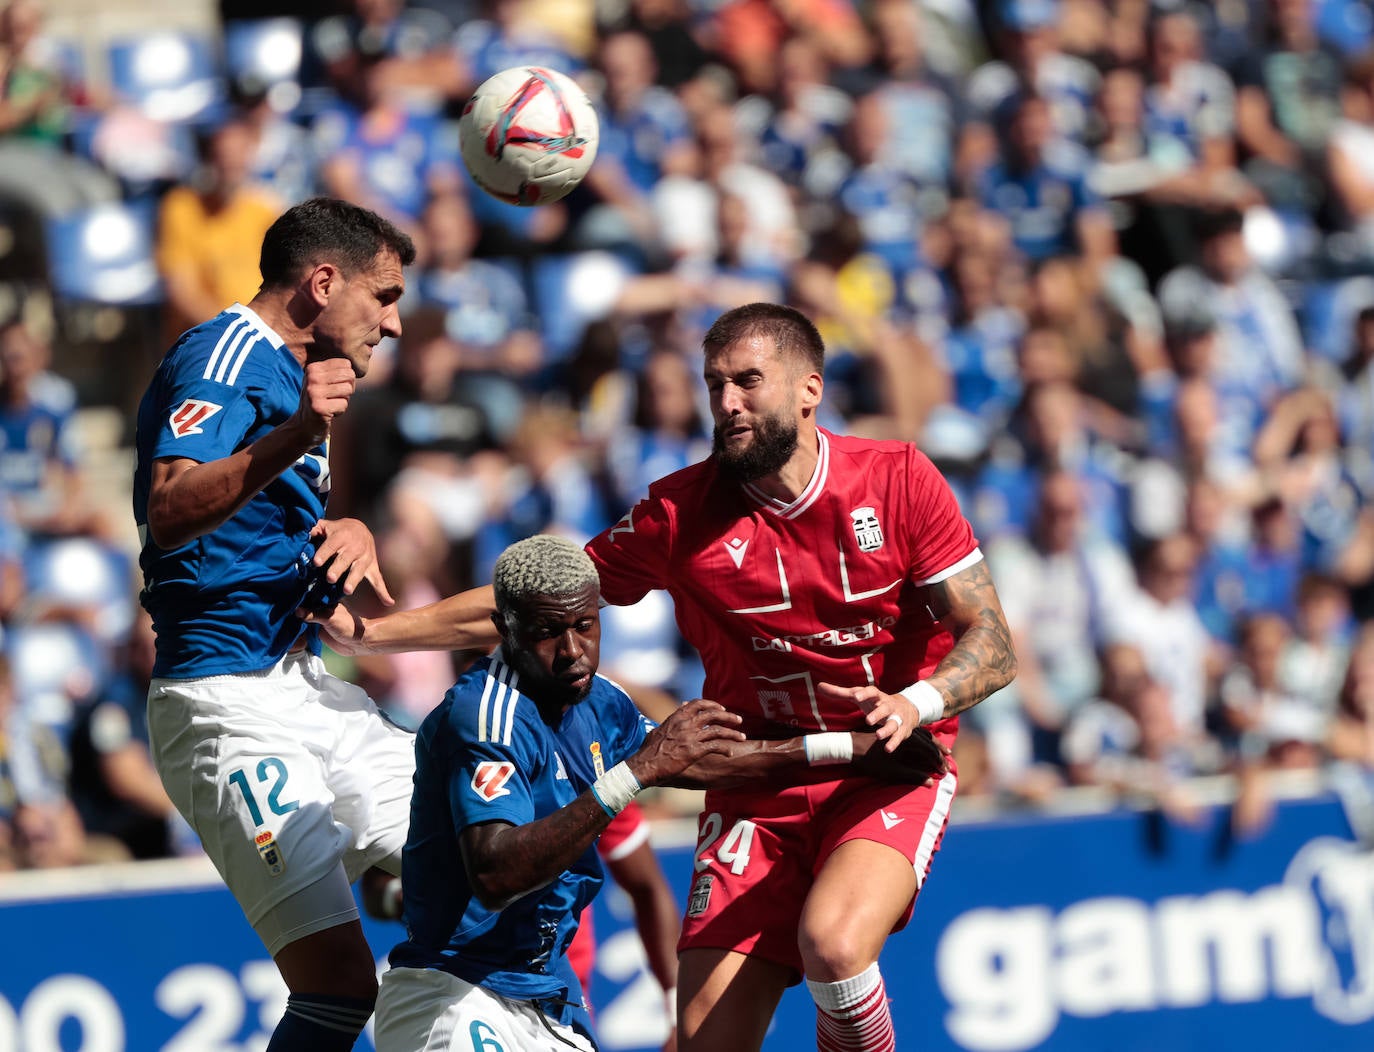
485,755
225,602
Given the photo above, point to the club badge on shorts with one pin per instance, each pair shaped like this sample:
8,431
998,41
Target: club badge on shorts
700,896
271,853
596,759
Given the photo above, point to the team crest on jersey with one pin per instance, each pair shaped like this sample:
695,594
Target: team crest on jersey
776,704
597,762
271,853
489,780
187,417
700,897
868,531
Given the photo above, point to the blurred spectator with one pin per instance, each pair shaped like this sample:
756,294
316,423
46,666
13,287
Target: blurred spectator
1316,657
1029,59
1259,353
1350,154
1216,528
404,49
749,34
1273,560
670,27
281,159
1275,727
38,468
1352,386
509,35
1058,586
1127,740
487,310
114,786
1042,189
32,93
1299,453
37,819
1287,103
421,430
667,429
1352,731
797,136
1162,621
925,109
376,152
644,136
210,231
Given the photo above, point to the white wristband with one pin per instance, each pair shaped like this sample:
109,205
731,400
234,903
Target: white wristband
929,702
616,788
828,747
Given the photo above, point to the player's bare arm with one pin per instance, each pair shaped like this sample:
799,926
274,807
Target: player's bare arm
981,661
505,861
188,499
458,622
919,760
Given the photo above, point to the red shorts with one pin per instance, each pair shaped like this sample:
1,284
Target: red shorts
759,851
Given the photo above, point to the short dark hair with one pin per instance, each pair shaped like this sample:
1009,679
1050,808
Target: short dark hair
326,229
793,333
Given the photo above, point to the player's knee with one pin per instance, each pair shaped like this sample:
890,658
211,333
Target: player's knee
830,953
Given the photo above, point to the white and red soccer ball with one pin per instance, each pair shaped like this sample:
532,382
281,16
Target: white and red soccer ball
528,135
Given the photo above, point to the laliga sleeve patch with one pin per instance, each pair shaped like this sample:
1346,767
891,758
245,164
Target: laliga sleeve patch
489,780
187,417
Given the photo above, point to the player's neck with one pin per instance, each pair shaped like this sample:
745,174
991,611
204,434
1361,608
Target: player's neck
788,483
275,308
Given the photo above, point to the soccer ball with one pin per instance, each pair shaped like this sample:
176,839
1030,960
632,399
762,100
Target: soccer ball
528,135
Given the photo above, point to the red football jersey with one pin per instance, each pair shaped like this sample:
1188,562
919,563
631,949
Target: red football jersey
778,597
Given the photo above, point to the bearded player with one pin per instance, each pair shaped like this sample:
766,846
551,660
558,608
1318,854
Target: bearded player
829,583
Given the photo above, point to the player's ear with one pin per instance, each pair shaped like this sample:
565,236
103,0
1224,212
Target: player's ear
499,621
812,389
323,282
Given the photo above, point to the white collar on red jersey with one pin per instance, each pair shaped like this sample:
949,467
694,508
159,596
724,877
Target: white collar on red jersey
807,497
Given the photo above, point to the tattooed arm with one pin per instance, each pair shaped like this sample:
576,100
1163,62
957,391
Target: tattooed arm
982,660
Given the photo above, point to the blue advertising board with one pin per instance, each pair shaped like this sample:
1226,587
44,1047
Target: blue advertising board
1117,931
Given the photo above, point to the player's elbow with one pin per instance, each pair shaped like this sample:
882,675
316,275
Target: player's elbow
493,893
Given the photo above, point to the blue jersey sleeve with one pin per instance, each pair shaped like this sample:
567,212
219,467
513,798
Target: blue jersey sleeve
624,726
489,783
206,411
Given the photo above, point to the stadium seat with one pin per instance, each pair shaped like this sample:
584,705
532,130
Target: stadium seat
169,76
572,291
105,255
265,55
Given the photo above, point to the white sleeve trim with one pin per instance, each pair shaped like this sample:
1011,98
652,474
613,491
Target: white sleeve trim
629,844
975,556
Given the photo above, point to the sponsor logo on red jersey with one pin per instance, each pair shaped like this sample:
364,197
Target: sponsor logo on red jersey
489,780
187,417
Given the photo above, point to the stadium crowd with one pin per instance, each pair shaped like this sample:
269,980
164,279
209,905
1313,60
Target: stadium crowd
1110,264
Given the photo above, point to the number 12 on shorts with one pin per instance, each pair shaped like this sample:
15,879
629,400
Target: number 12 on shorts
270,768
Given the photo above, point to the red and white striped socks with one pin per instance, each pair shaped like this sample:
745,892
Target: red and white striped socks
852,1014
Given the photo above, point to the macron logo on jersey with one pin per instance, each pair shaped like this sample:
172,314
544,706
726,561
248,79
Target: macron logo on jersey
490,778
736,548
187,417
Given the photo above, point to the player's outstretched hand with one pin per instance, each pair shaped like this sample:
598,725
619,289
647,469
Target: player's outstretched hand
342,628
353,550
892,716
919,760
694,731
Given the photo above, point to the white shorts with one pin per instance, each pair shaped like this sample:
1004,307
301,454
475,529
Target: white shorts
426,1010
294,782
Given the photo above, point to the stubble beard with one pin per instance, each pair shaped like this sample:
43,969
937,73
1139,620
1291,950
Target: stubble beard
774,442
